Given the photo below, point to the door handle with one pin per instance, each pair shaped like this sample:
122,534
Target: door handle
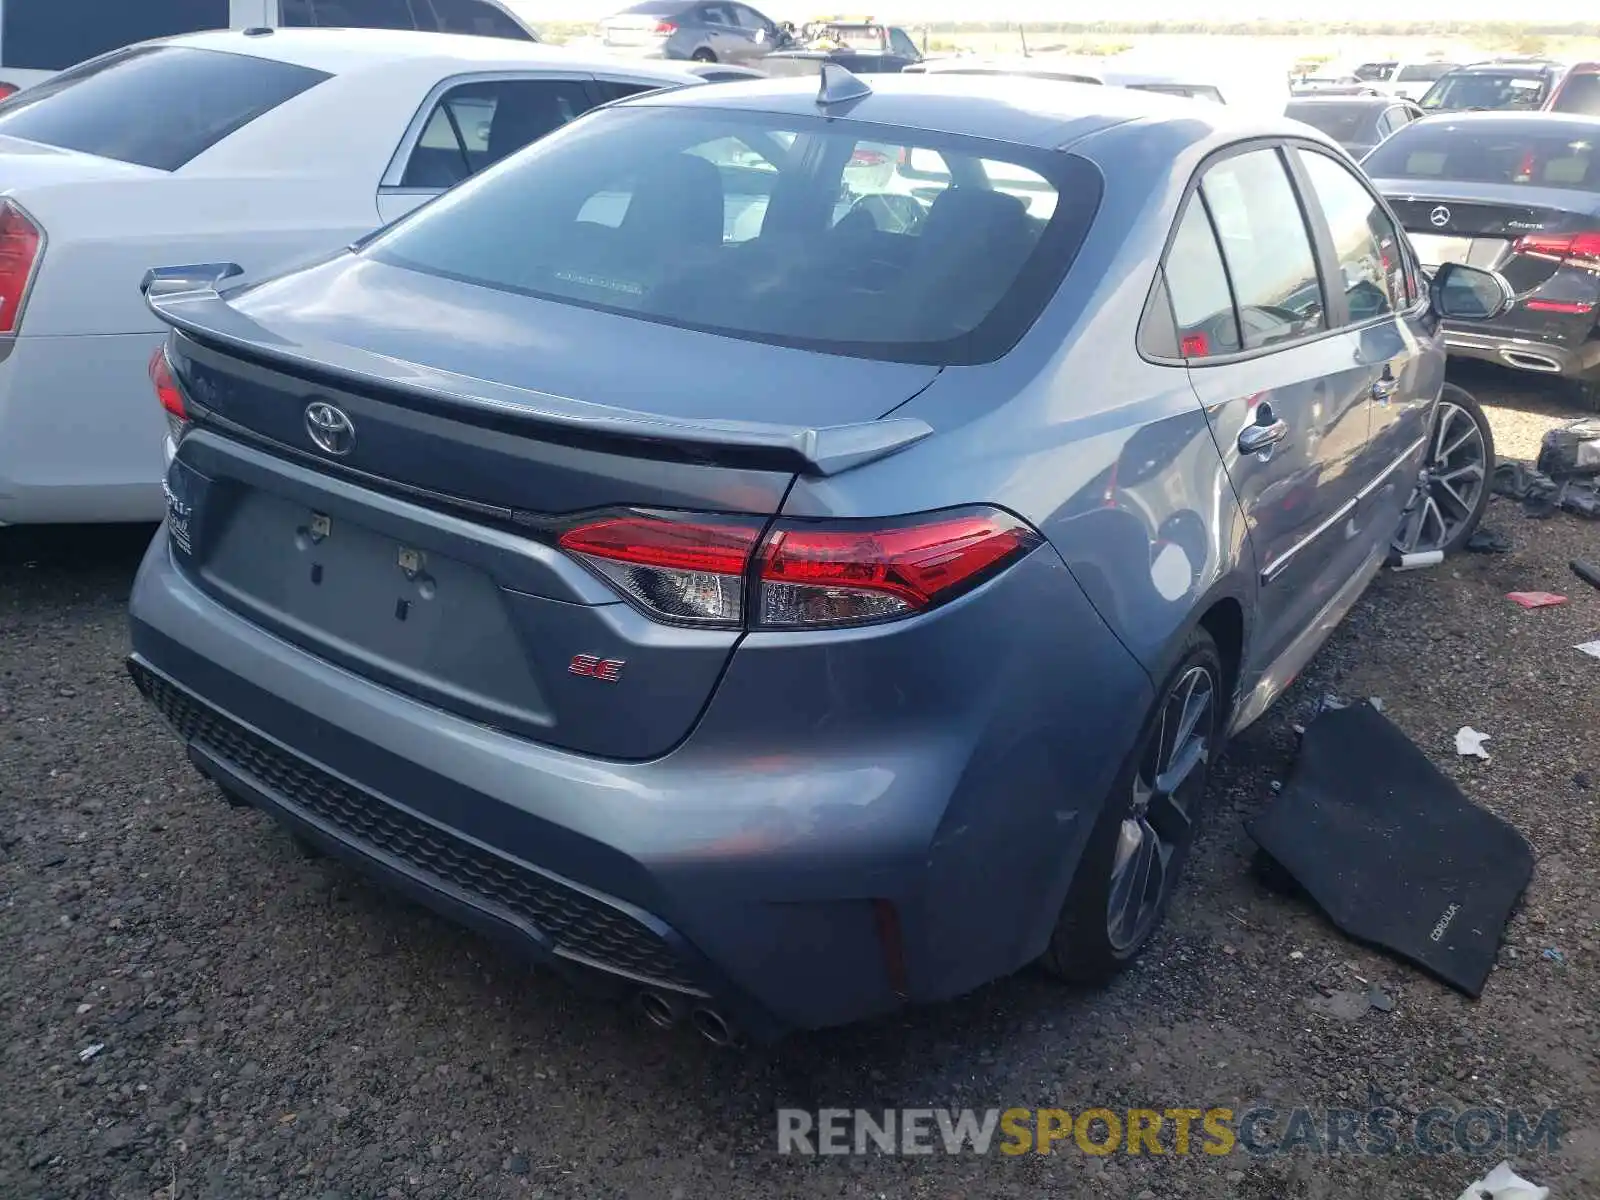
1262,434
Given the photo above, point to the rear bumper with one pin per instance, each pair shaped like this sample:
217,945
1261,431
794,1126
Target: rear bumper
80,431
750,867
1570,359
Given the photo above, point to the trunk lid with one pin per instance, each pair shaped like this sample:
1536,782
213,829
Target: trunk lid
421,554
1480,225
26,166
633,29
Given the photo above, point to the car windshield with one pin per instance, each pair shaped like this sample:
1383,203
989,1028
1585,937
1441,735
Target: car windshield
1483,152
1486,90
830,235
1341,122
155,106
1580,94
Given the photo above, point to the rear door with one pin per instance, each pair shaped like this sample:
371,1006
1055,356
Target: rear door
1284,393
1399,361
471,122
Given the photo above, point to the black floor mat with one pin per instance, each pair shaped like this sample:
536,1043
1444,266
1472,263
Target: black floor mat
1392,851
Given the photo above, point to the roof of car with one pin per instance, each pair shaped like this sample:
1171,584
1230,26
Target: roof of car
1531,118
1509,64
1041,113
341,51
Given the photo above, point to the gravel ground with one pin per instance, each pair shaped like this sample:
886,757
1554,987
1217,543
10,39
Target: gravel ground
273,1026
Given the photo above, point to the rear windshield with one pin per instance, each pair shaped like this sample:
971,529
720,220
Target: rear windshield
1193,91
1520,152
1486,90
1580,94
154,106
1341,122
51,35
1423,72
836,236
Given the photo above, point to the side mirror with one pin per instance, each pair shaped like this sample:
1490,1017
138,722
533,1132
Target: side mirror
1464,293
165,281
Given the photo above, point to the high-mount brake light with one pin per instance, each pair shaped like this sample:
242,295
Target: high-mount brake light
697,569
20,241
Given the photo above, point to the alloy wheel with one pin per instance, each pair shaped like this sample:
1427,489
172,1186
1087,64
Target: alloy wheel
1452,481
1159,823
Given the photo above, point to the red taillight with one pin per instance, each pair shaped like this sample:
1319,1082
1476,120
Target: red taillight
868,158
166,386
665,29
825,576
19,251
694,569
1195,345
1583,249
8,89
683,570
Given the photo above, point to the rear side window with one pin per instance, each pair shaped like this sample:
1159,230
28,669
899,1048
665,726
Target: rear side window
1267,248
51,35
476,124
1202,304
900,42
154,106
476,17
791,230
1542,152
1580,94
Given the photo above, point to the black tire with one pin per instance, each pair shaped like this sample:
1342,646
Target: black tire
1465,400
704,55
1467,403
1082,948
1586,393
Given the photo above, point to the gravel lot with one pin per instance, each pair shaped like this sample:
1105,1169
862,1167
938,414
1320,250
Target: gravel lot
273,1026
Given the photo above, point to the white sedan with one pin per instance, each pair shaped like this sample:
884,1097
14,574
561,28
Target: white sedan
248,149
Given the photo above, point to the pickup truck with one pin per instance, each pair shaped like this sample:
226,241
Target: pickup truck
868,48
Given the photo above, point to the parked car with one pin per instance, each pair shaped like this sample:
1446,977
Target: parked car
1578,92
1329,83
40,37
720,31
1515,83
1358,123
251,150
1519,192
1407,80
790,618
862,49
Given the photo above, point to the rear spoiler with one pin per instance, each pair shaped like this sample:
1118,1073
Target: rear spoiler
195,309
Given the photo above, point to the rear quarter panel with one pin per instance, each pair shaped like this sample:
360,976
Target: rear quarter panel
1110,456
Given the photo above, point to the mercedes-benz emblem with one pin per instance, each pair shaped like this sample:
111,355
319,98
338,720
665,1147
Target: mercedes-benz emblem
1439,217
329,428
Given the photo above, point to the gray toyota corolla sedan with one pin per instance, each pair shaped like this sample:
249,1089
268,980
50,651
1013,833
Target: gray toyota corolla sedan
793,554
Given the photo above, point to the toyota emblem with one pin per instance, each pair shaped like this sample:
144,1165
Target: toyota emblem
1439,217
329,428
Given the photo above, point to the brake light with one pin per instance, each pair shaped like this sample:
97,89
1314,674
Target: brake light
665,29
8,89
681,570
812,577
695,569
868,158
169,393
1582,249
19,252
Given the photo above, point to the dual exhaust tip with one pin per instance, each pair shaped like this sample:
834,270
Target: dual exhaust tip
666,1011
